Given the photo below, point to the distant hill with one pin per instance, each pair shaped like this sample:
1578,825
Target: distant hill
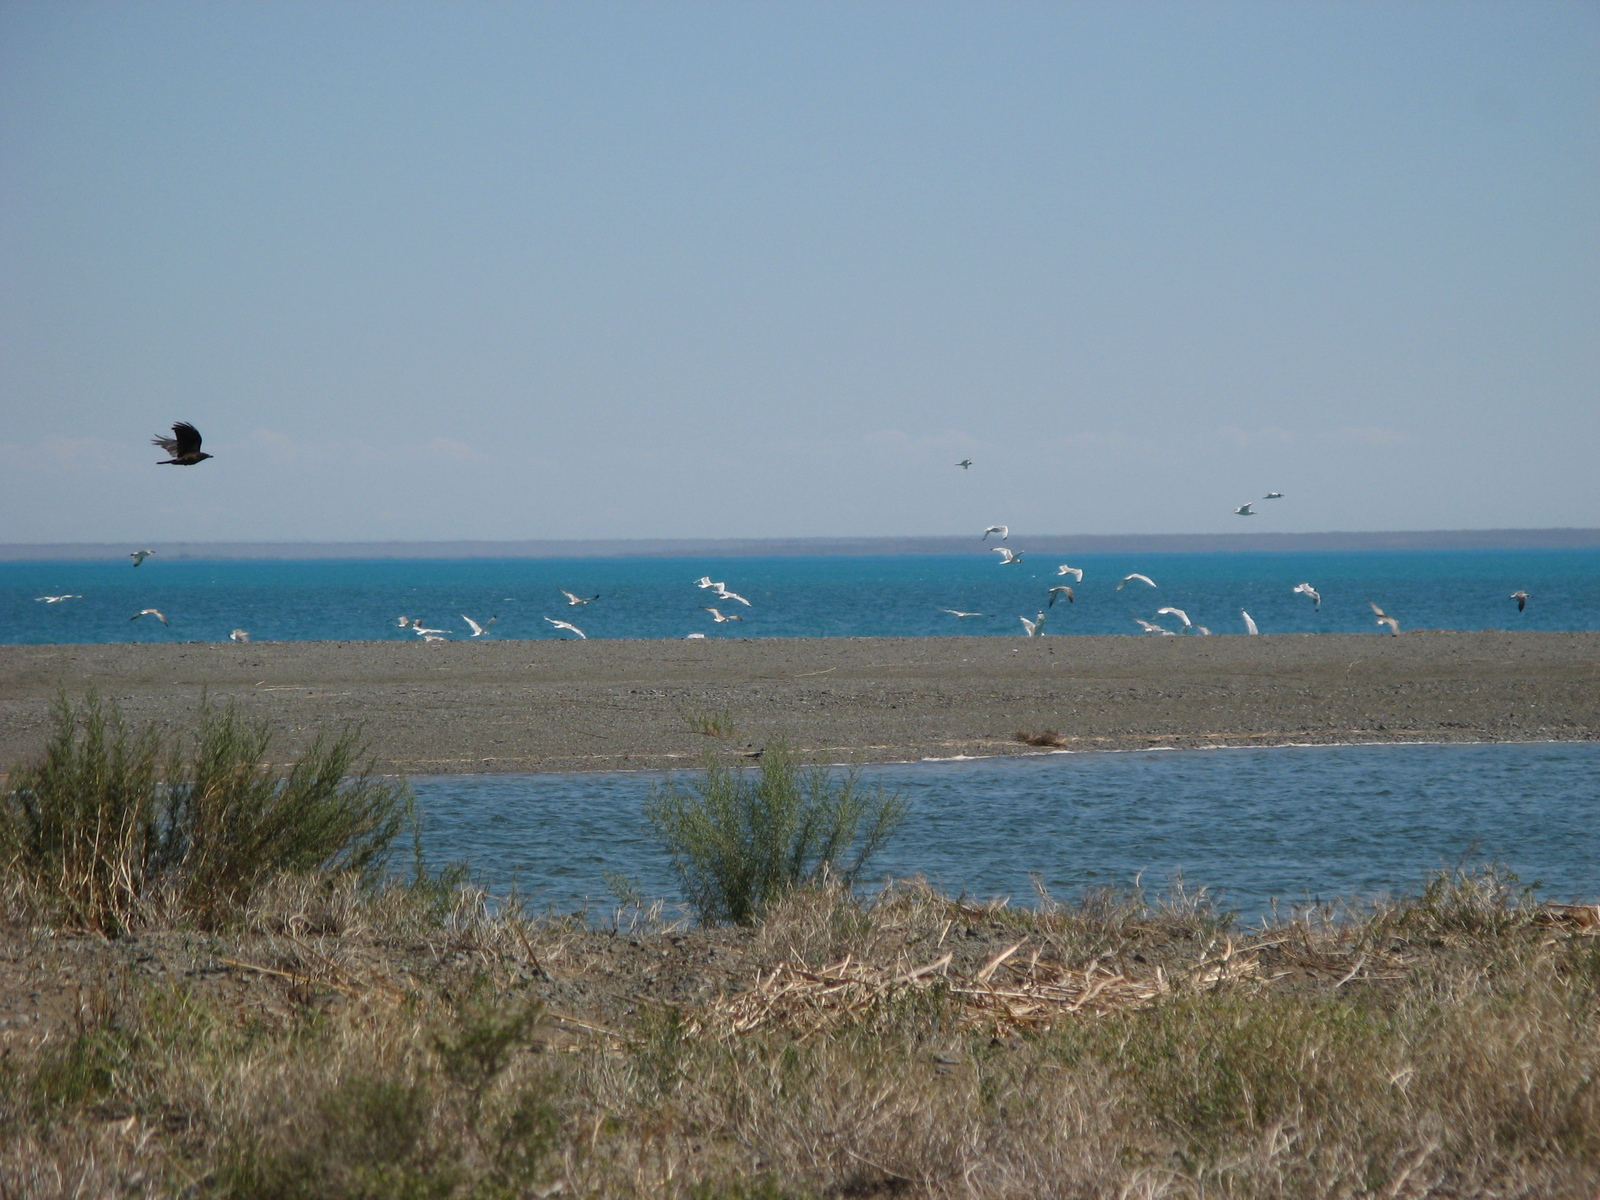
1142,543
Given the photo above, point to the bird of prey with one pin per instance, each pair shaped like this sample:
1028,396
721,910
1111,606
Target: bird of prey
1177,612
1305,589
1007,558
956,612
183,445
479,630
1249,624
574,601
1245,510
965,464
1273,496
1385,619
1127,579
1057,592
1152,627
239,635
149,612
567,625
719,618
57,599
1003,530
1075,572
1520,597
139,556
1034,627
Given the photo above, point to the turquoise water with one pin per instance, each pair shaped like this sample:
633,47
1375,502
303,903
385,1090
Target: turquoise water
1288,824
791,596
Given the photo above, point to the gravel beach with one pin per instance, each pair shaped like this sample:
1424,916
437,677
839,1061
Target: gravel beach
496,706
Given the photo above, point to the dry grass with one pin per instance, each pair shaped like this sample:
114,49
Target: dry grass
341,1043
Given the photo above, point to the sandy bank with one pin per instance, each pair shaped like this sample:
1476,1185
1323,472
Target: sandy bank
604,705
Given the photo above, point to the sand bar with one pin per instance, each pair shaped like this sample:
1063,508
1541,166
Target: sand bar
494,706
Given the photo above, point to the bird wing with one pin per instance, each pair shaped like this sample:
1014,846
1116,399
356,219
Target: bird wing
733,596
1249,624
1376,609
1177,612
475,627
187,439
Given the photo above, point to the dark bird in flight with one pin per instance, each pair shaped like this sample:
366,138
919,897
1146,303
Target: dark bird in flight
183,445
1521,598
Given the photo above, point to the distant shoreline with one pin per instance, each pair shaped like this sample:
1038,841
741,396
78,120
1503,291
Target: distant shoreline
1137,543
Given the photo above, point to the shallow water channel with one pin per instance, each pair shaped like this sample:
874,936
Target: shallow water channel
1252,826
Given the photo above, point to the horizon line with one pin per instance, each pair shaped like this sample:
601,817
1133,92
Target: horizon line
1564,538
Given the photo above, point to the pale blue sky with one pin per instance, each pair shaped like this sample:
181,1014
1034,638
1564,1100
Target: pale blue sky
638,270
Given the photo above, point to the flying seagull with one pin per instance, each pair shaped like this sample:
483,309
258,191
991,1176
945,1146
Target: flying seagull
1127,579
405,622
139,556
1245,510
479,630
719,618
1177,612
1273,496
149,612
1305,589
724,594
1203,630
705,582
1152,627
1249,624
1385,619
965,464
1003,530
1007,558
57,599
574,601
1521,598
1057,592
955,612
427,635
567,625
433,637
239,635
1075,572
1034,627
183,445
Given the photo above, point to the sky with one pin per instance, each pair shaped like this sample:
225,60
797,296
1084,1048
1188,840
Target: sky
516,270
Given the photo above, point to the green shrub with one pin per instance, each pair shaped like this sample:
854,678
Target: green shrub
107,820
739,844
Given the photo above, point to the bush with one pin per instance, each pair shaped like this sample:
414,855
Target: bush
99,827
739,844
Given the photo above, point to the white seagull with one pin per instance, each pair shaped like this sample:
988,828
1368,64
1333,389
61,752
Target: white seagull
1152,627
1075,572
149,612
1305,589
1057,592
430,634
574,601
956,612
1203,630
965,464
405,622
57,599
1177,612
479,630
433,637
1385,619
1003,530
1273,496
719,618
1127,579
1007,558
1245,510
239,635
724,594
1249,624
1520,597
567,625
1035,626
139,556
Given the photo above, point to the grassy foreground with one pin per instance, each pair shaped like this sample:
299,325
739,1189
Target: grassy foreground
336,1041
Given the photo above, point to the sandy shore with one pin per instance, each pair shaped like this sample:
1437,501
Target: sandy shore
606,705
